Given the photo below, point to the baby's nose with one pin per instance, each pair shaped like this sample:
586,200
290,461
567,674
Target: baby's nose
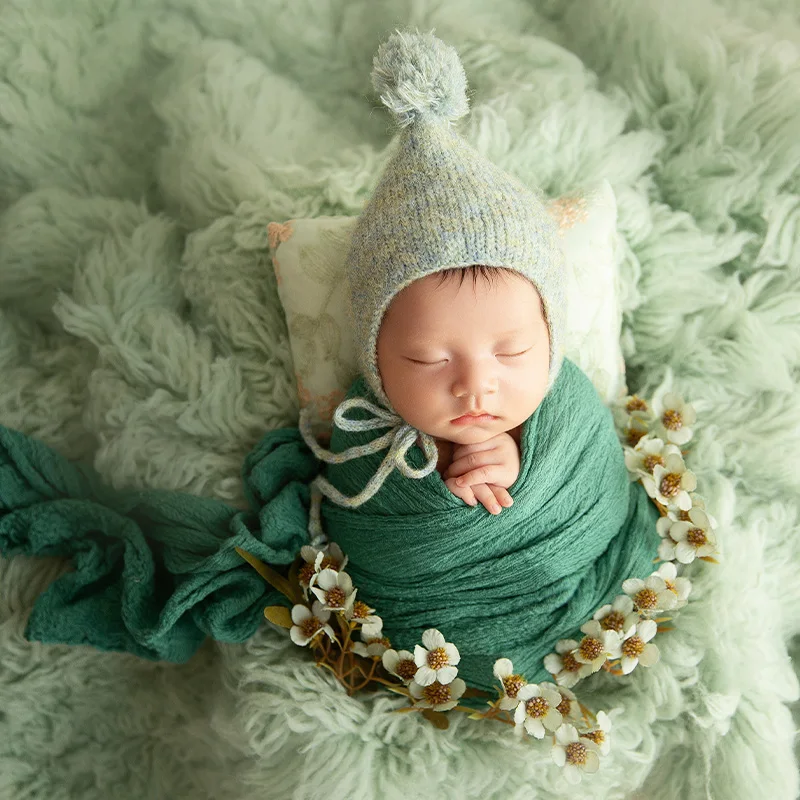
476,379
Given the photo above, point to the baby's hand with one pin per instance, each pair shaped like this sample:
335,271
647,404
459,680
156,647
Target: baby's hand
483,472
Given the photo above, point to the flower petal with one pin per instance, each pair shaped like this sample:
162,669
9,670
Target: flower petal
446,675
647,629
432,639
453,656
503,668
300,613
425,675
650,655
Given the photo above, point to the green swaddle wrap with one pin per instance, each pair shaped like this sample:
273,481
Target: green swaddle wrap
499,586
155,572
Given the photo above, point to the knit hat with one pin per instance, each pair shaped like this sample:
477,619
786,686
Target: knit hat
441,204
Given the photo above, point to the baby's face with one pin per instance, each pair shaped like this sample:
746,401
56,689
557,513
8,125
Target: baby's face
445,350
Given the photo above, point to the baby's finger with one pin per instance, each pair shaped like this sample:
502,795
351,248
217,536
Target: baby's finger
486,498
502,495
486,474
471,462
465,493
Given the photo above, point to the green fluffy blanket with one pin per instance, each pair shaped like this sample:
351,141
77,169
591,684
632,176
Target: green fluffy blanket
145,145
507,586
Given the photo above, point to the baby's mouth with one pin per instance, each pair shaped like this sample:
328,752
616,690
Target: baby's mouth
466,419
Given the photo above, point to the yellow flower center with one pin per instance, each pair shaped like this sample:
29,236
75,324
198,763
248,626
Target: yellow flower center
576,753
650,462
537,707
570,663
598,736
437,658
636,404
305,574
591,648
613,621
634,435
406,669
646,599
672,419
512,684
310,626
335,597
437,693
671,484
632,647
360,610
328,562
696,537
683,516
564,707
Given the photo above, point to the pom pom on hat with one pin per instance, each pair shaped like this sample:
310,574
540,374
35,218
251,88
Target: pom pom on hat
420,78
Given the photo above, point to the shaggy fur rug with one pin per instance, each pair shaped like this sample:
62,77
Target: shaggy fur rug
146,145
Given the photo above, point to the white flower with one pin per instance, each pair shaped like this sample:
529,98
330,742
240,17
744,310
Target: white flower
512,683
647,455
438,696
618,616
666,547
671,484
373,642
600,734
569,707
632,409
636,430
574,754
436,660
597,646
362,614
308,623
401,664
563,665
694,538
334,590
675,419
329,557
635,649
537,709
650,595
697,502
680,587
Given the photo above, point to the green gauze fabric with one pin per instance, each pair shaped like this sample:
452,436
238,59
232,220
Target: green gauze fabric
508,585
153,572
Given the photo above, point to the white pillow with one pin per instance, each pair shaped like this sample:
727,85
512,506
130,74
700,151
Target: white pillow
308,257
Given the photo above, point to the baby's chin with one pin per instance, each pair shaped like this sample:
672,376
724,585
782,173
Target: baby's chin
471,434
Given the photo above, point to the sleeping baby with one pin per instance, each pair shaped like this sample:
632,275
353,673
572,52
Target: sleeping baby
467,362
474,478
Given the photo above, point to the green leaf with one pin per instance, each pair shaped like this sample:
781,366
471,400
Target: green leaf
268,574
436,718
280,615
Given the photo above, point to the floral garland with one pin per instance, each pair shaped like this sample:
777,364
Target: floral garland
617,639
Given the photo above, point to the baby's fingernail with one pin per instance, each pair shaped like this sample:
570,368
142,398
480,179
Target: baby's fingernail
495,509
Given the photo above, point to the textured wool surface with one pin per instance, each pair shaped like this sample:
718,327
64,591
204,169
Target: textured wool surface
144,147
